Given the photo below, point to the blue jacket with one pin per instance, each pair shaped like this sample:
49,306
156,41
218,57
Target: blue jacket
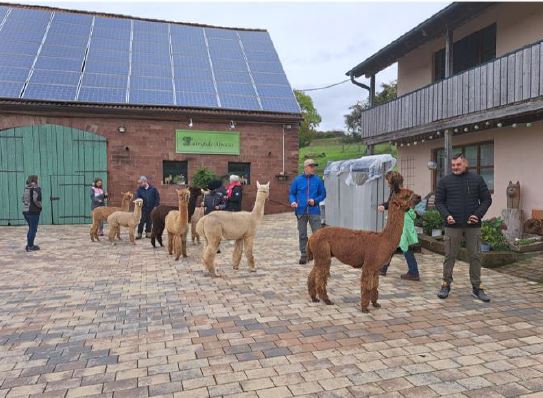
303,188
150,196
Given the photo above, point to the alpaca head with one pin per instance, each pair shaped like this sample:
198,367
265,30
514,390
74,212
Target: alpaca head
138,202
513,190
183,194
402,198
127,196
263,189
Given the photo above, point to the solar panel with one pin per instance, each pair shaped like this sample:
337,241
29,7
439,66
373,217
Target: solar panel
9,73
19,34
190,41
55,63
197,86
19,47
261,56
150,47
270,78
103,80
72,18
274,91
229,64
10,89
221,33
235,89
110,33
101,95
234,53
109,44
191,62
63,51
67,40
55,77
272,67
110,56
112,23
239,102
152,27
149,97
163,70
21,61
289,105
150,36
50,92
99,66
233,77
68,29
149,83
190,99
151,59
190,73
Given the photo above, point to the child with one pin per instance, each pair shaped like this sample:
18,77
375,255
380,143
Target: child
98,199
409,238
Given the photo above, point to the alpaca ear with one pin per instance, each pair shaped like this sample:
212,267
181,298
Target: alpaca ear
257,184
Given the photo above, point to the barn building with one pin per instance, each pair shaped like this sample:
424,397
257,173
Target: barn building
85,95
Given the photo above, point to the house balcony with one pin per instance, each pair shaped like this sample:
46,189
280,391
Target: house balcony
506,88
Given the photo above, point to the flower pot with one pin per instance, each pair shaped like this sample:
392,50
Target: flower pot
485,247
437,232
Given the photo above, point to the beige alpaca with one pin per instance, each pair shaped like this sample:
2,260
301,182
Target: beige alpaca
101,214
125,219
177,225
239,226
198,213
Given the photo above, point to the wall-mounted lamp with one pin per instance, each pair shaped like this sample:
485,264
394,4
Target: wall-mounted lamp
232,125
432,165
499,125
438,133
190,123
121,129
476,127
466,129
456,130
514,125
287,126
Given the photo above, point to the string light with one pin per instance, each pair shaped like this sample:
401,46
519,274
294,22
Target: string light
190,123
476,127
514,125
456,130
499,124
487,123
528,124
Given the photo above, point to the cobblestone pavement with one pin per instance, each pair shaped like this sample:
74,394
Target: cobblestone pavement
91,319
530,267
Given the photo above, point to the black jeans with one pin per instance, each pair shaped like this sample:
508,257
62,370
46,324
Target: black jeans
32,221
145,220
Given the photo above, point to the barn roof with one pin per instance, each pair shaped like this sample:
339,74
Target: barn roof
52,54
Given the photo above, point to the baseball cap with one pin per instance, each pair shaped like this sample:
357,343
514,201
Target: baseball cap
310,162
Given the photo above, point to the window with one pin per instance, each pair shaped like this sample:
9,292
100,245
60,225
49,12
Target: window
472,50
175,172
480,158
243,170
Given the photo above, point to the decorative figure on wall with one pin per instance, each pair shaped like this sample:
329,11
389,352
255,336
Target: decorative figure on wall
513,195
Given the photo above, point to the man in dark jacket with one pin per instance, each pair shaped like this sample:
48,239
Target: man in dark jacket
32,207
216,197
463,199
151,199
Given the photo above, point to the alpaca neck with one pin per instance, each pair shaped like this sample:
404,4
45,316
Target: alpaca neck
125,204
394,227
137,213
183,213
258,209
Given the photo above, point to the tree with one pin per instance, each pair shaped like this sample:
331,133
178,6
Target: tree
311,117
353,120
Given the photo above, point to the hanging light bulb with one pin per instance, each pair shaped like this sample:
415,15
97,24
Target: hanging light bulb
401,144
499,124
232,125
408,144
514,125
455,130
430,137
190,123
422,140
476,127
487,123
415,143
528,124
438,133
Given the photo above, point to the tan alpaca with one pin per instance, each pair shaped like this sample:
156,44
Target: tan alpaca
239,226
125,219
177,225
359,249
198,213
101,214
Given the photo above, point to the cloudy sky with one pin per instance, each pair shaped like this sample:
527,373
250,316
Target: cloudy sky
317,42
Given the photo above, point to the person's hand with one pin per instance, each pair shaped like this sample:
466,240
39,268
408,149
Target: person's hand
451,220
294,205
381,208
311,202
473,219
216,207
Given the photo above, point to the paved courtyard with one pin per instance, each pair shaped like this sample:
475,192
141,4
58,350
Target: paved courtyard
90,319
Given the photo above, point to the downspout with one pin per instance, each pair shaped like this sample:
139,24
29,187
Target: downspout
371,95
283,169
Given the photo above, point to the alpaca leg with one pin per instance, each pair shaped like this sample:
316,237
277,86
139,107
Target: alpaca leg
248,243
366,283
184,243
170,243
159,240
131,235
321,279
209,256
111,233
238,251
374,296
311,285
92,231
177,246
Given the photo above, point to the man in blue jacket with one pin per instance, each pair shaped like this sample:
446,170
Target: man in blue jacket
306,192
151,199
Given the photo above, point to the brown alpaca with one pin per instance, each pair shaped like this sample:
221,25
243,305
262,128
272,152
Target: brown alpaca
159,213
125,219
100,214
177,225
359,249
198,213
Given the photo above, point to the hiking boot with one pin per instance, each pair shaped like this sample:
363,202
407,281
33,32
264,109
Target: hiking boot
444,291
303,260
139,236
409,277
32,248
480,294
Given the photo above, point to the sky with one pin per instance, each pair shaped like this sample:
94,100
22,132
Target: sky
316,42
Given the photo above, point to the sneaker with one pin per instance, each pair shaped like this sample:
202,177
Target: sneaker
444,291
33,248
480,294
139,236
407,276
303,260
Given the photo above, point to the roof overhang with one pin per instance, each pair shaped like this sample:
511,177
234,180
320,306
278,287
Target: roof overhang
449,18
174,113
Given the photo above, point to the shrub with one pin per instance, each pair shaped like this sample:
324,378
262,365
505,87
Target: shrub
202,178
431,220
491,233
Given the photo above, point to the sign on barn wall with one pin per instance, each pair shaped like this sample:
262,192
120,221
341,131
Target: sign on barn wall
207,142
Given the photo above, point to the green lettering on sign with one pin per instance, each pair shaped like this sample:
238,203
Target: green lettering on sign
207,142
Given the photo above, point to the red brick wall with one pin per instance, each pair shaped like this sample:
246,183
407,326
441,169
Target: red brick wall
150,142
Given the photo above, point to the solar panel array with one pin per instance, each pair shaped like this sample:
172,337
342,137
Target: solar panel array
67,56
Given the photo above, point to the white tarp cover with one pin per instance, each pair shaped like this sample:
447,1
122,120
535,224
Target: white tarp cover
361,170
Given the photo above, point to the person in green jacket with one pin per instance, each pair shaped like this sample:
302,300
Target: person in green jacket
408,239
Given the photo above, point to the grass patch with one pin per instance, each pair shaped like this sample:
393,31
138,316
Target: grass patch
331,149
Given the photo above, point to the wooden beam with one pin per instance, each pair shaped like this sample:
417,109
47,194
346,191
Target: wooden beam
372,91
449,53
447,134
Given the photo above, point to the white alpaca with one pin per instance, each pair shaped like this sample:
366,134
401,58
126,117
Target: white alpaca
198,214
239,226
125,219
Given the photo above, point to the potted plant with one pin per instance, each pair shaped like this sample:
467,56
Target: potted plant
432,223
203,177
492,236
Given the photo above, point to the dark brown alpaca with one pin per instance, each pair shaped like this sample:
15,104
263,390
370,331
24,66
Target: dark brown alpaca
159,213
359,249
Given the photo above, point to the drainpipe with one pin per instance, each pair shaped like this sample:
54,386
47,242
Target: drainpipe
449,56
283,170
371,98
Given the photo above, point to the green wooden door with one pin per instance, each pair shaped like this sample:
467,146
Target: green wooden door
66,160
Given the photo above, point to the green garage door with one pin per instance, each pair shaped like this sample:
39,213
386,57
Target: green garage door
66,160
